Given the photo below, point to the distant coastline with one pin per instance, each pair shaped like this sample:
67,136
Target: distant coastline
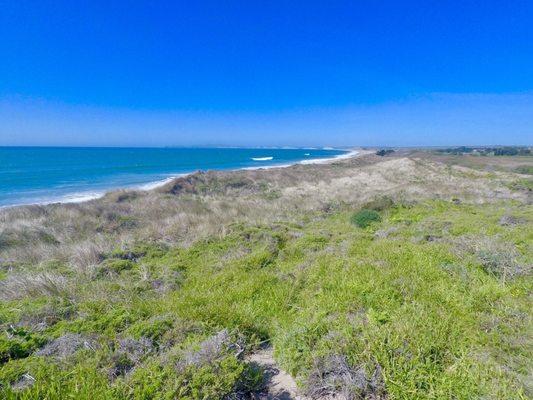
160,183
264,161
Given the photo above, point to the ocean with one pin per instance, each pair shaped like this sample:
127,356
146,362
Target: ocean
42,175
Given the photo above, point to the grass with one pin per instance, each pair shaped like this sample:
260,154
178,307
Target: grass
427,312
363,285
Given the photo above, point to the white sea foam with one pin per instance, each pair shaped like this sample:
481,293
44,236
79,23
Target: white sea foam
262,158
156,184
264,167
79,197
350,154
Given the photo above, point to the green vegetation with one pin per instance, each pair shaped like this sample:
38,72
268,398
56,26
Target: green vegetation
18,343
492,151
365,217
524,169
525,185
384,152
428,301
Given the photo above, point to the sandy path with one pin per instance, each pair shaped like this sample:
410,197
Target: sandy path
279,384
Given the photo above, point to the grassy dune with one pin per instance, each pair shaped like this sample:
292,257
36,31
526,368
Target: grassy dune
395,277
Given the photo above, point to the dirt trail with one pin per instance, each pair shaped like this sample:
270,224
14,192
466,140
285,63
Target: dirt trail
279,384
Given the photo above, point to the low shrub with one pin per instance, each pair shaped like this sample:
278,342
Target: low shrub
333,377
152,329
67,345
128,354
384,152
139,251
18,343
497,257
226,378
365,217
216,369
114,266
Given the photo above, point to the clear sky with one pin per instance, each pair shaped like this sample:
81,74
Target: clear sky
266,72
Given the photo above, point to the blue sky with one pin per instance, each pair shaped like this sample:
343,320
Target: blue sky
266,73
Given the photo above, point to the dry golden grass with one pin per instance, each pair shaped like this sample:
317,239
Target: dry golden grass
33,285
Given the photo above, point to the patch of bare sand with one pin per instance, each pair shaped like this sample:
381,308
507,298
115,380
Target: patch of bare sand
278,385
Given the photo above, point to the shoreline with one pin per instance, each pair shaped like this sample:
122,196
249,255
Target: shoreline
82,197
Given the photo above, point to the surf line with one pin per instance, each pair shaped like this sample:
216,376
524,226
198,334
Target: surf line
262,158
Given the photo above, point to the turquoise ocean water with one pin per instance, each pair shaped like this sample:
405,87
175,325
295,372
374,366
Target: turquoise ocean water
37,175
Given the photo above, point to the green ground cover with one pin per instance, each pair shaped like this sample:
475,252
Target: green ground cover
432,300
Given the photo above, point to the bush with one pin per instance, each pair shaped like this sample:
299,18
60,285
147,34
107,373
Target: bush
384,152
496,257
153,328
18,343
226,378
365,217
114,266
128,354
333,377
67,345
